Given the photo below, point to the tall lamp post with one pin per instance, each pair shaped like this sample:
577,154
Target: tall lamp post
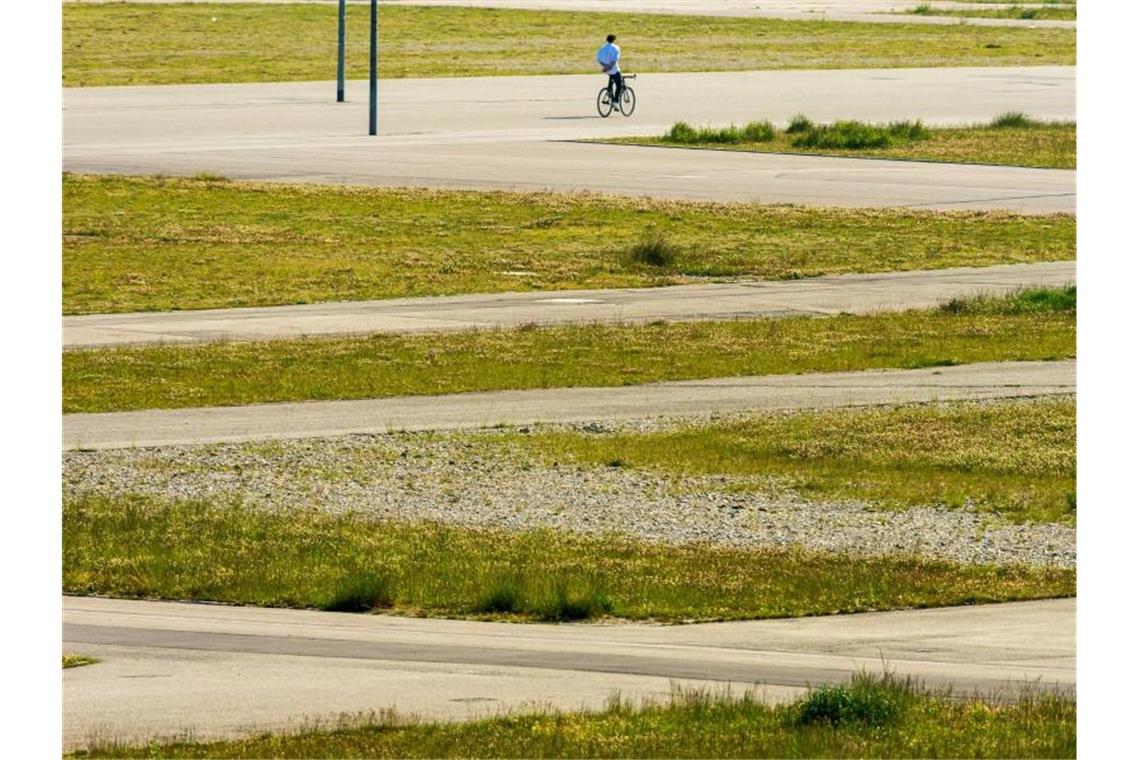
340,56
372,74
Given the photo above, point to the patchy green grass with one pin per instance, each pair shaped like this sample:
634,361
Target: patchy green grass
1057,12
118,44
868,716
234,373
1011,139
1015,458
1027,301
141,244
77,661
143,547
755,131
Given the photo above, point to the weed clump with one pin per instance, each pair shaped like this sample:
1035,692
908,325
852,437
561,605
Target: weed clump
799,124
684,133
908,130
209,177
1012,120
872,701
563,598
1024,301
853,135
361,592
504,597
759,131
654,249
564,602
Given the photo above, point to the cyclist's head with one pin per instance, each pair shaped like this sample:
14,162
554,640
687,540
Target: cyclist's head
611,38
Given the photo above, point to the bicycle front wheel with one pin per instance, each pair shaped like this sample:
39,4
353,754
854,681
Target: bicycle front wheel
605,105
627,102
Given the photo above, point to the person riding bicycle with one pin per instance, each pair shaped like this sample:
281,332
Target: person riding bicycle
608,56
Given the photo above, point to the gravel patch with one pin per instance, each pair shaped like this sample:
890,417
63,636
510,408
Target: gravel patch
453,479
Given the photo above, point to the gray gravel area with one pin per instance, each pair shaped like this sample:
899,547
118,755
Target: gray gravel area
453,479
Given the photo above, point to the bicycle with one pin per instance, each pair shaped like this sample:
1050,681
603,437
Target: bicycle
626,101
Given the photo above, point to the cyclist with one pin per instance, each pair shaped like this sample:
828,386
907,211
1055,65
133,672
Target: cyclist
608,56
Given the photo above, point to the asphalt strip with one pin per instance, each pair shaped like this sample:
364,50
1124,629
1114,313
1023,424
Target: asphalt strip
827,295
318,419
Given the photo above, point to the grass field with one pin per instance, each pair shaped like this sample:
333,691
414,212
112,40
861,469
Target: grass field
869,716
1019,328
120,44
77,661
138,244
1027,143
1057,12
1015,458
142,547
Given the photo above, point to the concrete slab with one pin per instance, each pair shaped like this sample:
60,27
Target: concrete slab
498,133
861,293
236,669
473,410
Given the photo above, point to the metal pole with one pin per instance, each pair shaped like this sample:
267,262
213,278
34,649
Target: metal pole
372,75
340,56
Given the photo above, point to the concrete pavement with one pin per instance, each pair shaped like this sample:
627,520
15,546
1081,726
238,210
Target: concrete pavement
858,293
473,410
512,132
218,671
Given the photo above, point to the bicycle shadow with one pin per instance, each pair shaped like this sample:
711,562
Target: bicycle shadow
570,118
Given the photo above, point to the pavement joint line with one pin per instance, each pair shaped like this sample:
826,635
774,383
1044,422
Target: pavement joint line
998,200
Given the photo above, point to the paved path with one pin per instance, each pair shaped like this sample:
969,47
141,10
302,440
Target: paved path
874,11
472,410
859,293
239,669
512,132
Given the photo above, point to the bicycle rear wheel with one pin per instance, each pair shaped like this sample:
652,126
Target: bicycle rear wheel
627,102
605,105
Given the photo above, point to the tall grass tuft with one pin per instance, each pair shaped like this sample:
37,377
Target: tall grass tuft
871,701
799,124
654,249
565,600
361,592
505,596
1023,301
843,134
759,131
682,132
1013,120
565,597
685,134
856,134
908,130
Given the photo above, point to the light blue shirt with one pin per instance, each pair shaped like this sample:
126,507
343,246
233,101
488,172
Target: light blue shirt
608,57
